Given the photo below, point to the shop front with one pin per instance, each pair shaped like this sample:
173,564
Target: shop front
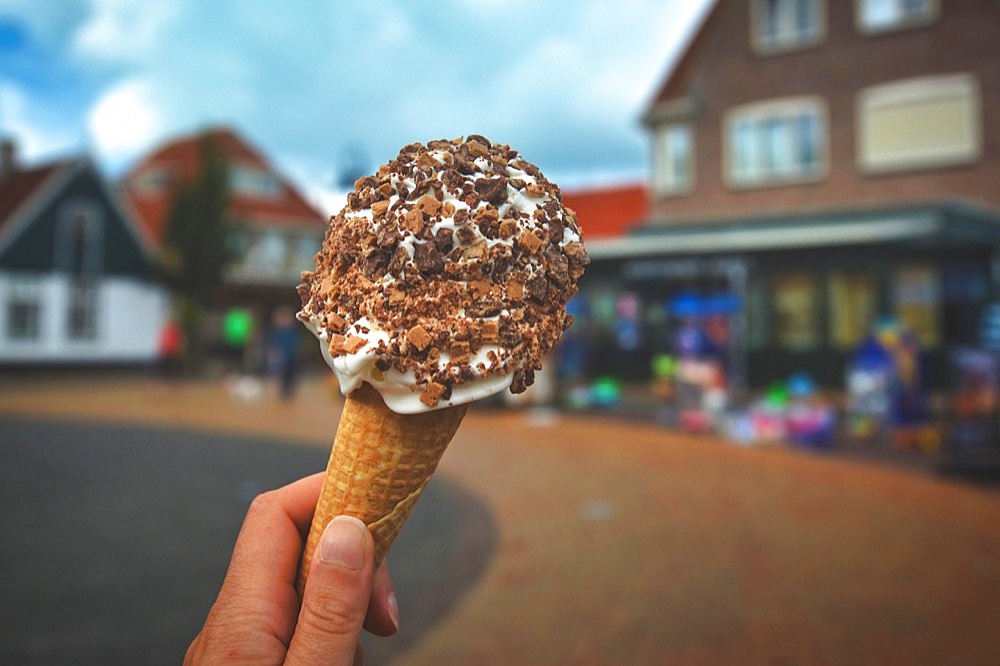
781,296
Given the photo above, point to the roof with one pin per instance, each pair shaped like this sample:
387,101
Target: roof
935,224
25,192
677,81
608,212
18,187
180,159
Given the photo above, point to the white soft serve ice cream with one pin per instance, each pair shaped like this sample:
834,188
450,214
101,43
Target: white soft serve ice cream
445,278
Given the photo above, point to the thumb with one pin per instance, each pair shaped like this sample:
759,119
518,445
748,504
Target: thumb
336,597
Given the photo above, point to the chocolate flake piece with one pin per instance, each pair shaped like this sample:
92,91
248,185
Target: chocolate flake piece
414,221
353,343
576,254
379,208
490,332
508,227
466,235
460,352
493,190
428,260
419,337
529,242
432,394
429,205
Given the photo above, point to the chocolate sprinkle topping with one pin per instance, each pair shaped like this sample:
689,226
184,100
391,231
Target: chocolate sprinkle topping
462,253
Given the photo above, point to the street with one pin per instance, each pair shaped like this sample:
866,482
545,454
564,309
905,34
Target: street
543,538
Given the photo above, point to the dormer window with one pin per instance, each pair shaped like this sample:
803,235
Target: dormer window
784,25
884,15
152,180
254,183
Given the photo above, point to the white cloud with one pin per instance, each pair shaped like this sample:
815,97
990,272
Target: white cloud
125,121
20,120
122,30
562,82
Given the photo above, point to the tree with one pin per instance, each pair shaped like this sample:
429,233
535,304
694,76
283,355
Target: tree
196,247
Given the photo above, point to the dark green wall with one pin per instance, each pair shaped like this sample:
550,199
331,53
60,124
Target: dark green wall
34,248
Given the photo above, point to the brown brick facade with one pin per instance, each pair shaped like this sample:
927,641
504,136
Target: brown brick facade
720,70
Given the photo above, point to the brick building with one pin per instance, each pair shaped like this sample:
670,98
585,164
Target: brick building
823,164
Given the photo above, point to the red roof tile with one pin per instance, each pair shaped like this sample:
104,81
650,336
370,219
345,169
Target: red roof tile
17,187
180,159
608,212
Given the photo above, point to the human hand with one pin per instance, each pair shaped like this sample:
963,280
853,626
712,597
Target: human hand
257,617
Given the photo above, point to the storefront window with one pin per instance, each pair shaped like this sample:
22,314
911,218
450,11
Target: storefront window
757,315
918,302
852,307
795,312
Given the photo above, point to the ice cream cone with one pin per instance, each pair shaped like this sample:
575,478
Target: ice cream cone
380,463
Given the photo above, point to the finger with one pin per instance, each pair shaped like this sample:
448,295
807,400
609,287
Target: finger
269,545
258,594
383,611
336,597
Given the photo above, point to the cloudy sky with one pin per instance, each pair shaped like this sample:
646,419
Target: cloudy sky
319,85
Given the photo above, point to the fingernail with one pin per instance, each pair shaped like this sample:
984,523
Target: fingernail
344,543
393,607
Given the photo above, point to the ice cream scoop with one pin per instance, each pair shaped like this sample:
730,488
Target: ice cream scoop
444,280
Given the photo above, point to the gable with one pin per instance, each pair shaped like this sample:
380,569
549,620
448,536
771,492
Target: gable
259,195
40,241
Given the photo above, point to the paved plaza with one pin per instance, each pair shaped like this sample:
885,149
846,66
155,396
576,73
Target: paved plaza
543,539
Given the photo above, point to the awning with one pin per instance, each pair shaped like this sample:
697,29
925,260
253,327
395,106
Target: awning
949,223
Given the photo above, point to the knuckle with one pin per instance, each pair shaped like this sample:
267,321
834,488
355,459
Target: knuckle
329,614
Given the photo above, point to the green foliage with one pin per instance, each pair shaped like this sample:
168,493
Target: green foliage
196,248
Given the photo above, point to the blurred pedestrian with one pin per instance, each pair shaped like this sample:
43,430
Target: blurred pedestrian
283,350
170,349
258,616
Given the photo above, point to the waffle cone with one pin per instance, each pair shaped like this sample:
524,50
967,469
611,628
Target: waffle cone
380,463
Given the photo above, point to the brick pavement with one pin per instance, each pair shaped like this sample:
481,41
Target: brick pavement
620,542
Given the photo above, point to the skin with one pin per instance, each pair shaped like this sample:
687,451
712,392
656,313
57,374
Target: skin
257,617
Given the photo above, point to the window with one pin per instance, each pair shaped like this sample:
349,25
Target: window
917,302
255,183
81,323
307,247
24,307
673,158
852,307
883,15
267,250
80,256
776,142
795,312
79,246
920,123
781,25
152,180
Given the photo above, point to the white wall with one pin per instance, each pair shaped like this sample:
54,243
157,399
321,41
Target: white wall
130,316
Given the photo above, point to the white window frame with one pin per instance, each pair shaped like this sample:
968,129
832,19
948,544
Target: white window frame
254,182
673,143
911,91
26,291
900,17
788,36
767,116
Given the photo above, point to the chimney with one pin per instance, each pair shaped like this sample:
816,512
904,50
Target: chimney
8,157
